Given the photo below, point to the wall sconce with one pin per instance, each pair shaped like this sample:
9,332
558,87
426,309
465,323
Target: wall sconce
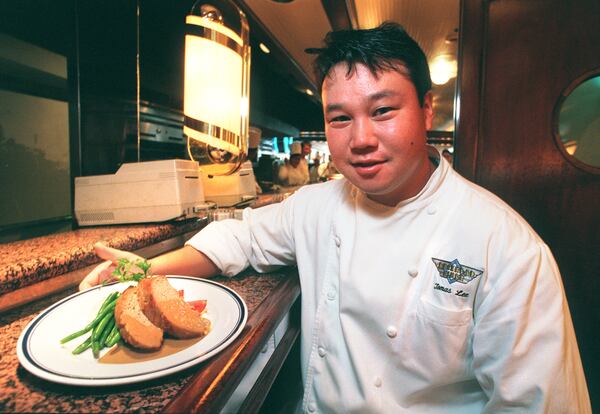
216,86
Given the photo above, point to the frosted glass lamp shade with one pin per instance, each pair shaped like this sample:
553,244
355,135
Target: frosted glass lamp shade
216,86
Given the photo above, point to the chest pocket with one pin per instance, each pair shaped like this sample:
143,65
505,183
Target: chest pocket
438,315
436,348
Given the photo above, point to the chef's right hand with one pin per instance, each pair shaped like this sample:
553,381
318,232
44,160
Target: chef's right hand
104,271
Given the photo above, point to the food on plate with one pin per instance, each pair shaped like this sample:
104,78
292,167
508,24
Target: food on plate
165,308
136,329
142,315
104,331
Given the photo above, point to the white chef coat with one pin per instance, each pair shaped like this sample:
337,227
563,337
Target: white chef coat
293,176
446,303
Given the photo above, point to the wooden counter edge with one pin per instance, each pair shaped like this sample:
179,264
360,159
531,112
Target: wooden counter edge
258,393
209,389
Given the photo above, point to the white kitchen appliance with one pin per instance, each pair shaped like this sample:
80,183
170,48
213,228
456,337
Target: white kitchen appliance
149,191
231,190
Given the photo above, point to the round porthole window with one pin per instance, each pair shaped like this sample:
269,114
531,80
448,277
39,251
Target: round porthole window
578,129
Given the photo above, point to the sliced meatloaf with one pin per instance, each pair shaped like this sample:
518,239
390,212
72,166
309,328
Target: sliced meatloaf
135,328
162,304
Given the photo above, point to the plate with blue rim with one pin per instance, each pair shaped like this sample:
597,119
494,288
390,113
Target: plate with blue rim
40,352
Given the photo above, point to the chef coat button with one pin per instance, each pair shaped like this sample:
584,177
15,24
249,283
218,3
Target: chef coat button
413,271
431,210
377,382
391,331
338,242
312,407
331,294
322,352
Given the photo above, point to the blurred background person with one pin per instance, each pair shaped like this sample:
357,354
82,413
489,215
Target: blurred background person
330,170
313,172
295,171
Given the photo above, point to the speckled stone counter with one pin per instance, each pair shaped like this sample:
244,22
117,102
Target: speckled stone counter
26,262
20,391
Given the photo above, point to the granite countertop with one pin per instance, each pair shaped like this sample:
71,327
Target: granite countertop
27,262
21,391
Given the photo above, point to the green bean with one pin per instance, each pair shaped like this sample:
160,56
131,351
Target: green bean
111,335
108,311
107,330
83,346
116,338
107,301
75,334
92,324
97,332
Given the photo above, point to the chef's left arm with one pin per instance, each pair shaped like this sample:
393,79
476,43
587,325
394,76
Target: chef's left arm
525,354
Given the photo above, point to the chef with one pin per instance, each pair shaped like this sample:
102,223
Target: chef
421,292
295,171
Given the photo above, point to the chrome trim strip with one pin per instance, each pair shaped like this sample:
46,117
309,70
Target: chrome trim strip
213,35
213,130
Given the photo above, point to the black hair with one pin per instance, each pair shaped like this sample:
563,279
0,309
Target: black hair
387,47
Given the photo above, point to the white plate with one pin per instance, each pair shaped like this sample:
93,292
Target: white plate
40,352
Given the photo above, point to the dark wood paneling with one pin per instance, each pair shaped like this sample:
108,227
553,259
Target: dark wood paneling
518,58
469,79
337,14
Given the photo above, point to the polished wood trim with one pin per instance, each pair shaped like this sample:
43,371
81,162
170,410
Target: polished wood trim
470,87
258,394
337,14
209,389
31,293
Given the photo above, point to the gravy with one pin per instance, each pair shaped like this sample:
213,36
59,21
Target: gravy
124,354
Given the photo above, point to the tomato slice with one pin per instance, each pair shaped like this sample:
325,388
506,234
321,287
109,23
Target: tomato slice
198,305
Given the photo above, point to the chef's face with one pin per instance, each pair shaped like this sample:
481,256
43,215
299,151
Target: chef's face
376,131
295,160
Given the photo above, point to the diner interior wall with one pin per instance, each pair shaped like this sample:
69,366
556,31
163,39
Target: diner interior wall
34,115
34,158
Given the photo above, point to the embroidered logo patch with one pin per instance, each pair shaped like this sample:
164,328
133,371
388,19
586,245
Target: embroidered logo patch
455,272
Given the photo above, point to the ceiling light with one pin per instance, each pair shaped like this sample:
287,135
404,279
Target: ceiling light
264,48
442,68
309,92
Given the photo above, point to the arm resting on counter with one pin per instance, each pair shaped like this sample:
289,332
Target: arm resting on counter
185,261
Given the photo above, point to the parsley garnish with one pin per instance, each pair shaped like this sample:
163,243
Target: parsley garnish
127,270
